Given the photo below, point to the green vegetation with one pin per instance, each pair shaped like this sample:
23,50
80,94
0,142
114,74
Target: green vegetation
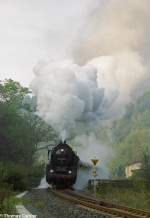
7,199
131,143
131,135
20,132
127,197
40,204
132,193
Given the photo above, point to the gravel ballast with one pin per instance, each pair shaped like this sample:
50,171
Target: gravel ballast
44,204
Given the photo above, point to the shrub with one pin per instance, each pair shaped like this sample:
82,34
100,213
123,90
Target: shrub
7,206
17,177
5,192
40,205
20,177
37,171
7,202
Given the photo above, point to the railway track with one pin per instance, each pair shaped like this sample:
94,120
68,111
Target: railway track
99,205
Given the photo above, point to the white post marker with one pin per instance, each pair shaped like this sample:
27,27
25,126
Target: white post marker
94,173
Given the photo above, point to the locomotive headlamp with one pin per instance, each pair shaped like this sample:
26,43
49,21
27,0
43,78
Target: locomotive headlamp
62,150
51,171
69,171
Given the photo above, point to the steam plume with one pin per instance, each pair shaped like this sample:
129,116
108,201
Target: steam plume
113,27
69,97
111,55
115,39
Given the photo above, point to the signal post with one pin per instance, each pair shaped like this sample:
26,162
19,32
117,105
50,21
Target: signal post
94,173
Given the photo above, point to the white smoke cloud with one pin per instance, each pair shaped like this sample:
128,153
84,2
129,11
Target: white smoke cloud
111,50
123,72
91,145
112,46
69,97
113,27
115,41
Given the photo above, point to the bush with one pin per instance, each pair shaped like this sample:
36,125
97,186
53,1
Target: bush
40,205
20,177
7,202
35,175
7,206
3,172
37,171
17,177
5,192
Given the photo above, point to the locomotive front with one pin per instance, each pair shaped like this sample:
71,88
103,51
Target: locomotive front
61,171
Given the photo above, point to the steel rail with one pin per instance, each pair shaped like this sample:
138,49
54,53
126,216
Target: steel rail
101,206
105,203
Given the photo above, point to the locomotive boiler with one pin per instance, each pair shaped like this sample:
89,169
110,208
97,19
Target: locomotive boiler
61,171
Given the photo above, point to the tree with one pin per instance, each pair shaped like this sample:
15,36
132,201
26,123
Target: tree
16,143
12,92
20,128
131,133
146,165
40,129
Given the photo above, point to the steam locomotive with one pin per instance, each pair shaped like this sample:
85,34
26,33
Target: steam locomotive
61,171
